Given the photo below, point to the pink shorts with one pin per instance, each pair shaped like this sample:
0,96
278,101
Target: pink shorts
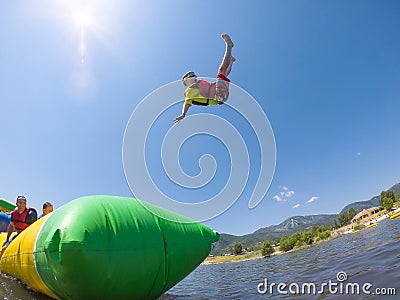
222,88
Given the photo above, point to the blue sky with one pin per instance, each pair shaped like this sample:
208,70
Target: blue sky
326,73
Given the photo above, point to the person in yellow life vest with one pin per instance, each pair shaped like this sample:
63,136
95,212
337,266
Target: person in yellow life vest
21,218
201,92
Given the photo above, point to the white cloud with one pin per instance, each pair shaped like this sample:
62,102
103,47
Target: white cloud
312,199
296,206
284,195
289,194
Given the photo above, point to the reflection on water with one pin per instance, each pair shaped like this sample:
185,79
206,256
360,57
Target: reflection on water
370,256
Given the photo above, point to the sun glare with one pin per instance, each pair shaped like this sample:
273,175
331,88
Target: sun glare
84,21
83,18
92,22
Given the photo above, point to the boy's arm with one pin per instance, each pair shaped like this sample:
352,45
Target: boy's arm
185,108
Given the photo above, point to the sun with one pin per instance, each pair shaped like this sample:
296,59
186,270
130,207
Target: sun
91,25
83,18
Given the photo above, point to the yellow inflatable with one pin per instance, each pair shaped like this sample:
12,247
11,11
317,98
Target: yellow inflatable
107,247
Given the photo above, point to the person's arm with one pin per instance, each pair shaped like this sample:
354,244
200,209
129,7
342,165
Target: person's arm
185,108
10,230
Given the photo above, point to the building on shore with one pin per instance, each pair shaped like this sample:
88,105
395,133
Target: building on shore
365,213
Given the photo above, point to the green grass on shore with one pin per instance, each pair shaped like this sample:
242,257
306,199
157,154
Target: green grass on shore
233,258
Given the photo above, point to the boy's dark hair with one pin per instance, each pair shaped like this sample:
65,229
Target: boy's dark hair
188,74
46,204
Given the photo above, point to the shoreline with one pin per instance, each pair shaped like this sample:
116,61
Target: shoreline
214,260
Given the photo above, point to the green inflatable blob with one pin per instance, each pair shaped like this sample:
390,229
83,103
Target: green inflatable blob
6,206
106,247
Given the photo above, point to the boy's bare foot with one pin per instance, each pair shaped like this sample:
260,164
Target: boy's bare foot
227,39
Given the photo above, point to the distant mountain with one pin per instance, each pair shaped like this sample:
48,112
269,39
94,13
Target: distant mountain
290,226
271,233
374,201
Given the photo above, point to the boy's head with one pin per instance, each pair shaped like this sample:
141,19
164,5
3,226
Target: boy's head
47,208
189,78
21,203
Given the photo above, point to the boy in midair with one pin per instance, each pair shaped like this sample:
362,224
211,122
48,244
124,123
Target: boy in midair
201,92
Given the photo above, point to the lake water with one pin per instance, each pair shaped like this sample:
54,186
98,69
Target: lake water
370,256
368,259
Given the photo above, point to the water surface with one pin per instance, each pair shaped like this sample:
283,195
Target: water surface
368,257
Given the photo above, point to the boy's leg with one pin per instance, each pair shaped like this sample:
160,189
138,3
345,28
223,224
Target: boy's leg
222,84
228,60
228,70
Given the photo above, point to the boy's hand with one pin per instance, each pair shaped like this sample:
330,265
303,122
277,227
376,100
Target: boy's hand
177,119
